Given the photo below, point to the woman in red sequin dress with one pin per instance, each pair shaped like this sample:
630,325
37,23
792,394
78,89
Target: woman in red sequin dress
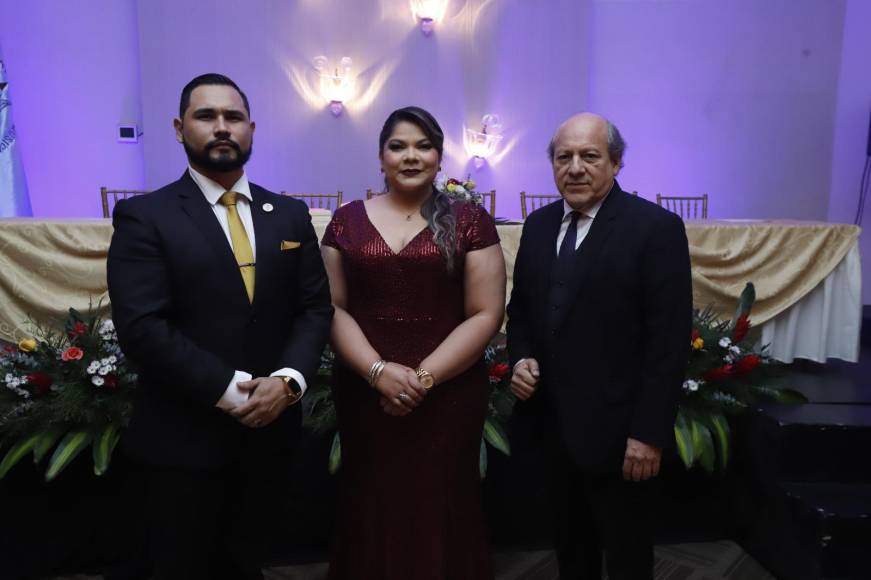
418,282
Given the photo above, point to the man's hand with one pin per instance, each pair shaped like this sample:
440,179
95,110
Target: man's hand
641,461
525,378
266,401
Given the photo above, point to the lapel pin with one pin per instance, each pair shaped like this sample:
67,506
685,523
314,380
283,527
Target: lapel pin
267,207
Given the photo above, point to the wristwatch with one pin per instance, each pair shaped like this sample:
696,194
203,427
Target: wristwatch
426,378
295,390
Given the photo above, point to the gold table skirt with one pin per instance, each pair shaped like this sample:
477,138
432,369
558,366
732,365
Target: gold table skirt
48,266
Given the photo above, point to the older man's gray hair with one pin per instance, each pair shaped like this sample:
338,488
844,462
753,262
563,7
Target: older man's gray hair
616,144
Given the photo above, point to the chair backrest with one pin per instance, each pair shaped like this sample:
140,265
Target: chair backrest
330,201
529,202
370,194
115,195
687,207
488,200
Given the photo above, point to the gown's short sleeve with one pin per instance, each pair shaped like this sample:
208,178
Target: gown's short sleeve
478,227
335,229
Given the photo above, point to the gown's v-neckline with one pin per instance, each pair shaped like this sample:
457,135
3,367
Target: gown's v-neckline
383,239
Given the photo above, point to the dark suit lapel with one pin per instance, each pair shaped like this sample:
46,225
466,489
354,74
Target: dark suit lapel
268,240
195,205
587,255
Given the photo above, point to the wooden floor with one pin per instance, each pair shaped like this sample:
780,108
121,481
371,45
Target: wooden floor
701,561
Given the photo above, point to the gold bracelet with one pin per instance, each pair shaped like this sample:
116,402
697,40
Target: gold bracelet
375,372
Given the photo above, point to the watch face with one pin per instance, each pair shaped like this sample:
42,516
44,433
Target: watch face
426,381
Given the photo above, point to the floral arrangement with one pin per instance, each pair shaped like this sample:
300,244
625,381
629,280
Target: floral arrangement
319,413
726,375
459,190
64,391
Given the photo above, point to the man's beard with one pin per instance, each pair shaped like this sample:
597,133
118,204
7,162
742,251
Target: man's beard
223,164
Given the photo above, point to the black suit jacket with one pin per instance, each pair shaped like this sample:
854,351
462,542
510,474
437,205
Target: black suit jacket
613,361
183,317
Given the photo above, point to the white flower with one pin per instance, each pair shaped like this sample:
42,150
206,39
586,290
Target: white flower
93,367
112,359
98,381
459,190
735,350
104,371
691,385
725,342
9,377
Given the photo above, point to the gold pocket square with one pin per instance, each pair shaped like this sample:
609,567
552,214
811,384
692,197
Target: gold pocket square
285,245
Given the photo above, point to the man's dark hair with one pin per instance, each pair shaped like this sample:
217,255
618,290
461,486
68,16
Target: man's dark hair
208,79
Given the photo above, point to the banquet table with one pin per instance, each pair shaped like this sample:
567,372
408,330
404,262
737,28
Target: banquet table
807,276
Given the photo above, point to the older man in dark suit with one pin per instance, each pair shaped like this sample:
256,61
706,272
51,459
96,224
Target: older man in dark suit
220,297
598,332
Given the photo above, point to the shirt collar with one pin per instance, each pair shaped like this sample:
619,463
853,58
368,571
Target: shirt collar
590,213
214,190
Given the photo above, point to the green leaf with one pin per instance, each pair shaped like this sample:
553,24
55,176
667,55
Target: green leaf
495,435
482,460
103,447
683,440
706,453
745,303
21,448
46,441
788,396
67,450
719,427
335,454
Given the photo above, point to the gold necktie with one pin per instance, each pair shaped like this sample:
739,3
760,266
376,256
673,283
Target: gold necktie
241,244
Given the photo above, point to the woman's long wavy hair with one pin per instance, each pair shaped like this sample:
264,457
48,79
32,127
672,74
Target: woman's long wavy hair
437,209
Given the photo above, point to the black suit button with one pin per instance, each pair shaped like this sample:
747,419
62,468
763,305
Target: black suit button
253,320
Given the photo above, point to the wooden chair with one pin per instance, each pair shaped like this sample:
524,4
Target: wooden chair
687,207
529,202
488,200
116,194
319,200
370,194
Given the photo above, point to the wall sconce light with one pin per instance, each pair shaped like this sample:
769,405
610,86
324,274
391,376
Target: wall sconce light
482,144
428,12
337,84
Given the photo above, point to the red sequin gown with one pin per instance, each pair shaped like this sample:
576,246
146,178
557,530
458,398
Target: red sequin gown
409,506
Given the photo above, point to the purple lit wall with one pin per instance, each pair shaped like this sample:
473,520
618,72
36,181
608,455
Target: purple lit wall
524,60
735,99
851,129
74,71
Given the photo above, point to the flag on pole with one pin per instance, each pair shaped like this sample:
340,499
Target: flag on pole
14,200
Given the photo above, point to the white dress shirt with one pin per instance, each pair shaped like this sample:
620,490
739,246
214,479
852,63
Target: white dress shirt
585,221
213,191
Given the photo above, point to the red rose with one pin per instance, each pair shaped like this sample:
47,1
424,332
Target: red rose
747,363
696,334
79,329
719,373
742,325
110,382
498,371
72,353
9,349
40,381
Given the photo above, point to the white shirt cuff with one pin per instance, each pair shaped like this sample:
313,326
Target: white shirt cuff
295,375
233,397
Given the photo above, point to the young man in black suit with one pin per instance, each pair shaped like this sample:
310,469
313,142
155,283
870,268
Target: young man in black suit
598,333
220,297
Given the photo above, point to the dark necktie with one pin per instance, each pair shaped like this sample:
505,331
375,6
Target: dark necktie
567,248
